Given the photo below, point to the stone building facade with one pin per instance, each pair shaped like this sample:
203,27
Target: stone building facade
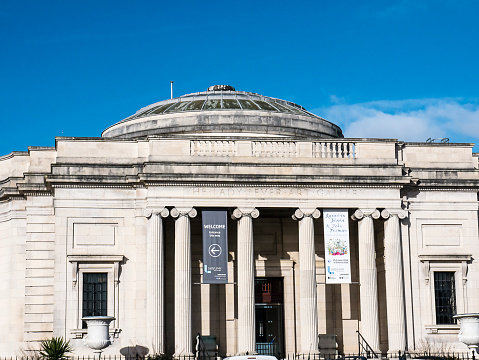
118,218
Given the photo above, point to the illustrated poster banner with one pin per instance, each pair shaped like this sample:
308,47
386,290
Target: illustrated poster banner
336,246
215,247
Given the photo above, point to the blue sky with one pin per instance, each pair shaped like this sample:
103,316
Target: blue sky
403,69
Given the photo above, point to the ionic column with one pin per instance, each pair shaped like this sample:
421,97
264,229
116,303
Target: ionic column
394,280
155,292
246,308
368,276
307,274
183,336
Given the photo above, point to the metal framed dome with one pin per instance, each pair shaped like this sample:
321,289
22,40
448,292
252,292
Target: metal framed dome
222,110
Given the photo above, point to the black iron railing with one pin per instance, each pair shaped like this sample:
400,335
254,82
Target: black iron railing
365,349
344,356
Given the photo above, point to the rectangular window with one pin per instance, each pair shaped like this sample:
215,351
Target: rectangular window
445,296
268,290
94,295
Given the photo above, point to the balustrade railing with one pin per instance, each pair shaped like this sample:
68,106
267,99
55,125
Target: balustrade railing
320,149
274,148
333,149
212,148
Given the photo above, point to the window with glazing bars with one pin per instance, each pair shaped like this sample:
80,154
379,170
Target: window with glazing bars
94,295
445,295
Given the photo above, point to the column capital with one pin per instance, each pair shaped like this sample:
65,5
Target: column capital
177,212
163,212
362,213
239,213
400,213
301,213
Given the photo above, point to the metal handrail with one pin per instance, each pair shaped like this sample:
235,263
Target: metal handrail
202,349
365,348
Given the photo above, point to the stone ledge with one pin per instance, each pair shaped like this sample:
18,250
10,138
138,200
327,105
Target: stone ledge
442,329
445,258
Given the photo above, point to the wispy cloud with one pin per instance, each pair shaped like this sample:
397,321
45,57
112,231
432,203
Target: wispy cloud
408,120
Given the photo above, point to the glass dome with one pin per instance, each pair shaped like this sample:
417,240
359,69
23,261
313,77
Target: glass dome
222,109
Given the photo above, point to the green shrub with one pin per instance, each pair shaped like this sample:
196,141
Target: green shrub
55,348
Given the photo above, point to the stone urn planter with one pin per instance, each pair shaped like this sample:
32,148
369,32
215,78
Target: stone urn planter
98,336
469,333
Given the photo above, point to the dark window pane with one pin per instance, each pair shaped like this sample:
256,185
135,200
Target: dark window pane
445,296
282,108
248,105
94,295
160,109
194,105
212,104
230,104
265,106
177,107
268,290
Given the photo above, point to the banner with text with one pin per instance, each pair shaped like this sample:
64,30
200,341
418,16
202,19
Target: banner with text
336,246
215,247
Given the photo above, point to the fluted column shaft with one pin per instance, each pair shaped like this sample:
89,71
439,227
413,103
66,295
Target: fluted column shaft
246,272
155,281
183,335
368,277
307,274
394,280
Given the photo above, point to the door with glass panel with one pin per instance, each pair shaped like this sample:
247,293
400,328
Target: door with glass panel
269,316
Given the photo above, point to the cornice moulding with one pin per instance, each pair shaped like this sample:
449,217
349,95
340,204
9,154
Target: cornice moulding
449,257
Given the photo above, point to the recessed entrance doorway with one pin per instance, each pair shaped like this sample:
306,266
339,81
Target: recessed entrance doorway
269,316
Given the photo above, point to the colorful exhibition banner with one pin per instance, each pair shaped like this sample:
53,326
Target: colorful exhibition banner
336,246
215,247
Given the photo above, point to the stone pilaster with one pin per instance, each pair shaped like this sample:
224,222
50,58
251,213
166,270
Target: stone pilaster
183,335
246,273
368,276
40,234
155,292
308,295
394,280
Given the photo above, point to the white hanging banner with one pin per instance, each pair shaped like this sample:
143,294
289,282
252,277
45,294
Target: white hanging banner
336,246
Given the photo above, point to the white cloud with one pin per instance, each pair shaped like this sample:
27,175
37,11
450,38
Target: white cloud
408,120
335,99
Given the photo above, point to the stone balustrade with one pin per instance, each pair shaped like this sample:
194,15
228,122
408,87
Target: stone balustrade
334,149
274,148
213,148
324,149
